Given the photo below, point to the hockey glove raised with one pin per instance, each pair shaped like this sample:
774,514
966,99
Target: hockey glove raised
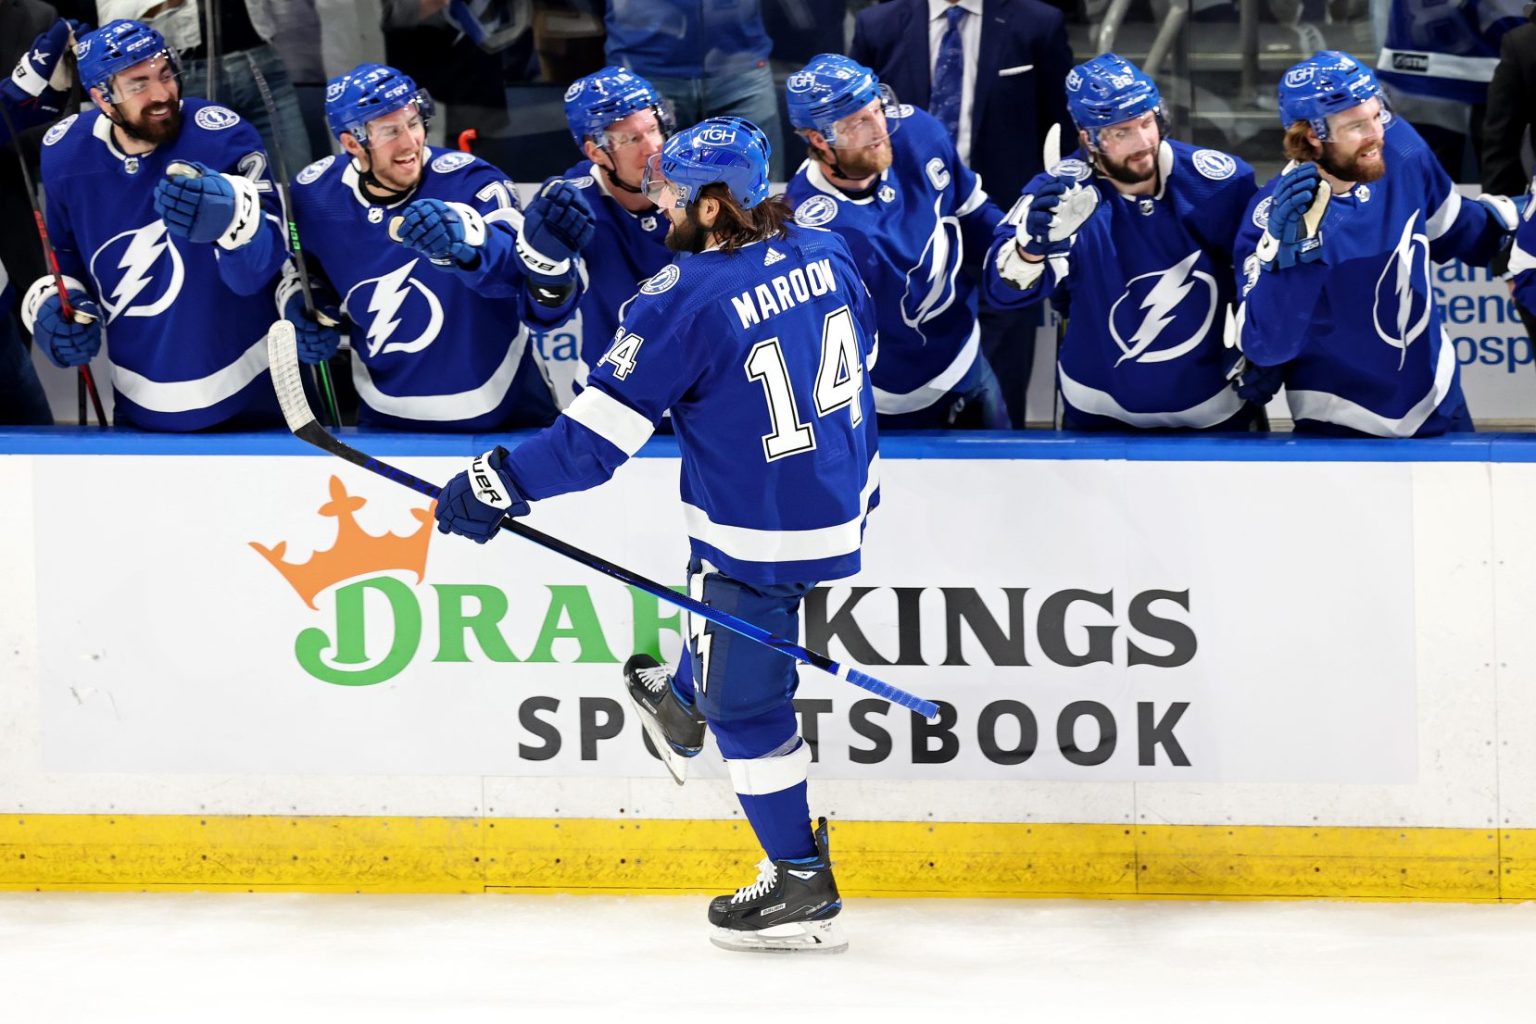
448,234
557,226
68,343
1046,220
319,336
1507,211
476,501
202,205
42,76
1286,240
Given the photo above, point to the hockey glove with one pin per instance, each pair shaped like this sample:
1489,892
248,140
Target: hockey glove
557,226
68,342
1252,382
476,501
202,205
448,234
1047,219
1507,211
42,76
1285,241
318,336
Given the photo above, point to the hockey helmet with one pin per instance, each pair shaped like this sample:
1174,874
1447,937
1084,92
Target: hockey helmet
729,150
830,88
1326,83
595,101
369,91
116,47
1108,90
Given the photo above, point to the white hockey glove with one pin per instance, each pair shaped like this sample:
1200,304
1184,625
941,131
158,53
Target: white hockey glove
1291,234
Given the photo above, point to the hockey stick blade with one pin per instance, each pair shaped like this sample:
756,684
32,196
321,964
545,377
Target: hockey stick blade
1052,152
283,358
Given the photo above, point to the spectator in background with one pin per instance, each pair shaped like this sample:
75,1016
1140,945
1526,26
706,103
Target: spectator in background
708,57
240,30
993,72
1506,132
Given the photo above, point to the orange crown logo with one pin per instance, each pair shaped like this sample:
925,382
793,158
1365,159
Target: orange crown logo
355,553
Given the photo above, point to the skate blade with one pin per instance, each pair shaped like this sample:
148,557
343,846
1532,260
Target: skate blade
676,763
823,937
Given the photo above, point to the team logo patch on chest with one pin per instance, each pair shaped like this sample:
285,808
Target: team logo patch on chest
1214,164
1402,303
1164,314
397,312
139,272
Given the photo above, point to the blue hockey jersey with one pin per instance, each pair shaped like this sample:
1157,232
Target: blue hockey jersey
626,249
1522,261
185,324
1358,331
917,240
761,356
1447,50
1148,286
434,348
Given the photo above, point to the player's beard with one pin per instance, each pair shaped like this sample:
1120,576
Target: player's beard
1120,170
147,129
688,235
1351,168
864,162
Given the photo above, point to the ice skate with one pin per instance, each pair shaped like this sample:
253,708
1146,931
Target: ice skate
676,729
789,909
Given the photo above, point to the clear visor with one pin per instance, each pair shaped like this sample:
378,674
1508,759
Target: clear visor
656,133
870,126
383,134
1359,125
656,186
162,68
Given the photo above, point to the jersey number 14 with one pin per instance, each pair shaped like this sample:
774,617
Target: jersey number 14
839,379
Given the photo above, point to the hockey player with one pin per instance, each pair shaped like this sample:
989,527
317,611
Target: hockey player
758,343
918,224
1132,233
618,122
428,255
39,86
1335,254
165,225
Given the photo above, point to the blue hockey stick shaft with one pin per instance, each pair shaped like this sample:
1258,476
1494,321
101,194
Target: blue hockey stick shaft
283,356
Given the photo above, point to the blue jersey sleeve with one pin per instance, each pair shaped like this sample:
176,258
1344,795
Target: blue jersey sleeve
1275,308
1003,293
250,268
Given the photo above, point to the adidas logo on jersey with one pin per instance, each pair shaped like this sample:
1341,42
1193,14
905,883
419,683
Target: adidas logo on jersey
773,257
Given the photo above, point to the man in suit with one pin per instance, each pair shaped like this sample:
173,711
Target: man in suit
994,71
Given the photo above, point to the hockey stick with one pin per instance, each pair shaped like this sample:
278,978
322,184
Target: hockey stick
322,371
283,360
87,382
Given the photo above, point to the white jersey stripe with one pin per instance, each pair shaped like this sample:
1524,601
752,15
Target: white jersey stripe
192,395
462,405
611,419
1329,408
750,545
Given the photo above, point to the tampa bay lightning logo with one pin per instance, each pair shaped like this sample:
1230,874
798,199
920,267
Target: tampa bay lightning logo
397,312
216,119
816,211
452,161
1072,168
1261,212
1214,164
1403,299
59,130
930,286
1171,308
314,170
662,280
139,272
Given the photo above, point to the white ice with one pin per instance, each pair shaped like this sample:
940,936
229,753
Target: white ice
290,957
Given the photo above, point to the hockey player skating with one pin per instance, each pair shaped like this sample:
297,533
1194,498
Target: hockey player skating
166,228
1335,254
426,252
1131,236
619,122
918,225
758,343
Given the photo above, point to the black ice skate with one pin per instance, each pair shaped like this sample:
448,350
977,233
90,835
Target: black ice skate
789,909
676,729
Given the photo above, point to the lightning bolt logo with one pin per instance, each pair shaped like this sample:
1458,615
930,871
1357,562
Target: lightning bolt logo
390,294
1160,307
146,247
1401,266
931,283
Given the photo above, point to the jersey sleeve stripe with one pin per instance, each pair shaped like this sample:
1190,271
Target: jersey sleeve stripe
611,419
975,201
749,545
1520,260
1444,217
